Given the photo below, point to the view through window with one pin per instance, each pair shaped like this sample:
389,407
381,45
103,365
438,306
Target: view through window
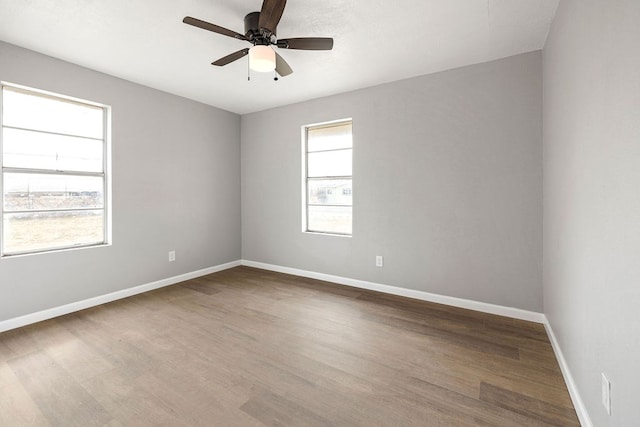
328,178
54,178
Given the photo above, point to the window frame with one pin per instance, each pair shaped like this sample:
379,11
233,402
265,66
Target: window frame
105,175
306,179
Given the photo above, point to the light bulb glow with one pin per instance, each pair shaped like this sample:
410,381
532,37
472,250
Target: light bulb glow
262,59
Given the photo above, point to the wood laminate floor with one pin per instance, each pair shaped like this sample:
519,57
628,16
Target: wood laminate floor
247,347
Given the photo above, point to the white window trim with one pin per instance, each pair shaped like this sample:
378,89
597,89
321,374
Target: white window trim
305,190
106,174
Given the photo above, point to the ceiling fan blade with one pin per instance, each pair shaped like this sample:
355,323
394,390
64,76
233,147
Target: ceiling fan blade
231,57
212,27
307,43
282,67
270,14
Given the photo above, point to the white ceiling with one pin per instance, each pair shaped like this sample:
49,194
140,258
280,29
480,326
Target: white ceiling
375,41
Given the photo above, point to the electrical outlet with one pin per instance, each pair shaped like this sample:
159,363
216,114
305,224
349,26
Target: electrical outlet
172,256
606,394
379,261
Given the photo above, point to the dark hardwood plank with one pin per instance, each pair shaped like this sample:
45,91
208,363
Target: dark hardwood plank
129,403
470,342
274,410
528,406
17,408
17,342
60,398
203,287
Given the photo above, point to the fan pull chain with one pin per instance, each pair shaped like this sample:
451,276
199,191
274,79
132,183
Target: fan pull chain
275,75
249,68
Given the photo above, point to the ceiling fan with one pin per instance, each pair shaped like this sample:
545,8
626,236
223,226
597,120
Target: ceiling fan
260,30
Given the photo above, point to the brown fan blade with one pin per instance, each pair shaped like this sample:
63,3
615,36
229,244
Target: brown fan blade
212,27
282,67
307,43
270,14
231,57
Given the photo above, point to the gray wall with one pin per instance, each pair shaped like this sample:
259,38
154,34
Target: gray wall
592,199
176,181
447,184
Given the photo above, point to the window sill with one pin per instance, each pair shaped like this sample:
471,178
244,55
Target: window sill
321,233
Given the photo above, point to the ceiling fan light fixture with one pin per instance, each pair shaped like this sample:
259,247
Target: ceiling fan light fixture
262,59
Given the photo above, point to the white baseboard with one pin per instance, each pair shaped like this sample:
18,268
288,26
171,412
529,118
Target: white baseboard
578,404
50,313
515,313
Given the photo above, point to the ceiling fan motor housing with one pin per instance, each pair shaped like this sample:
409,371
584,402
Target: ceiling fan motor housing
252,29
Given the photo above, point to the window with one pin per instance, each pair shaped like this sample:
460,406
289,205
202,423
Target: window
54,172
328,178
